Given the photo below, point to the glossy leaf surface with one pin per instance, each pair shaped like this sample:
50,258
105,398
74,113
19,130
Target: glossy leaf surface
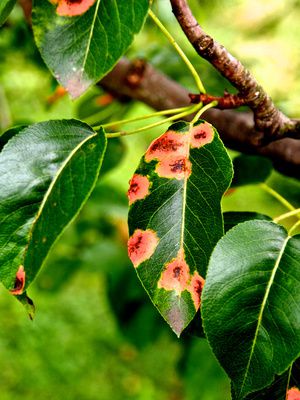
47,171
251,304
232,218
175,217
6,7
81,41
249,170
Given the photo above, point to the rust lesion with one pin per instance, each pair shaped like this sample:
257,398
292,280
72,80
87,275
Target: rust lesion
177,277
141,245
19,282
72,8
138,188
201,134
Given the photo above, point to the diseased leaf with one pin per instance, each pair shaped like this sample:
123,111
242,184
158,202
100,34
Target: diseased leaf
6,7
232,218
47,171
284,387
175,217
251,304
249,170
81,41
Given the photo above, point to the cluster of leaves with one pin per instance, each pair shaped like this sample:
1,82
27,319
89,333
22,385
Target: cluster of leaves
245,282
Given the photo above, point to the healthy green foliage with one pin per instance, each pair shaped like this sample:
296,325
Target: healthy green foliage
250,304
250,170
232,218
6,7
175,197
80,43
47,172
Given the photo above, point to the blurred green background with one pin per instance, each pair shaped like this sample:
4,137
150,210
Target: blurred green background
96,335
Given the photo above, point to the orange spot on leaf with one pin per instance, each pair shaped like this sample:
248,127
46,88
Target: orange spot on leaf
176,275
201,134
195,288
170,143
177,167
141,246
71,8
139,188
293,394
105,99
19,282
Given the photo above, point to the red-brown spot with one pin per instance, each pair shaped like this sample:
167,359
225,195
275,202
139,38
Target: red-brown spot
174,167
293,394
141,246
19,282
138,189
170,143
201,135
195,288
176,274
71,8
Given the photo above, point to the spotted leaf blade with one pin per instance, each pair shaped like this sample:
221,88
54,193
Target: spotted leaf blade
47,171
81,41
175,216
250,304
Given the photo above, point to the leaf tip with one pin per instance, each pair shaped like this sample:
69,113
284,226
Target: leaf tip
28,305
19,282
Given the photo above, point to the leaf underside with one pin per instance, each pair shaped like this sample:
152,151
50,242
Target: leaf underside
81,41
251,304
47,171
175,216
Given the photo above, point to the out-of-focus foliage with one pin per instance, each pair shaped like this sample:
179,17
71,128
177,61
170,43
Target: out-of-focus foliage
122,348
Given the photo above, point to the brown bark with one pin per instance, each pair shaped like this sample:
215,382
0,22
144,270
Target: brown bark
268,119
237,129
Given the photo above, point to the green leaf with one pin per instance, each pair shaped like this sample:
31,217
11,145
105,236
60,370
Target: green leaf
232,218
175,217
6,7
251,304
47,172
81,42
249,170
284,386
114,154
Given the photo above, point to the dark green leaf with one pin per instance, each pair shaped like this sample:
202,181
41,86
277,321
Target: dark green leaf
232,218
175,217
6,136
251,304
249,170
6,7
114,154
47,171
81,41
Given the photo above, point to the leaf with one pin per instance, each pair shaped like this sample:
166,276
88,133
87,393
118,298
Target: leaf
7,135
232,218
251,304
6,7
81,41
284,387
47,172
114,154
175,216
249,170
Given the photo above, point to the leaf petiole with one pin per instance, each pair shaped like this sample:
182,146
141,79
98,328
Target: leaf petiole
293,228
183,114
179,51
288,215
203,109
141,118
277,196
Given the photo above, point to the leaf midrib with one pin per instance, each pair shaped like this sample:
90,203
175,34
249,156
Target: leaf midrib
53,182
263,305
